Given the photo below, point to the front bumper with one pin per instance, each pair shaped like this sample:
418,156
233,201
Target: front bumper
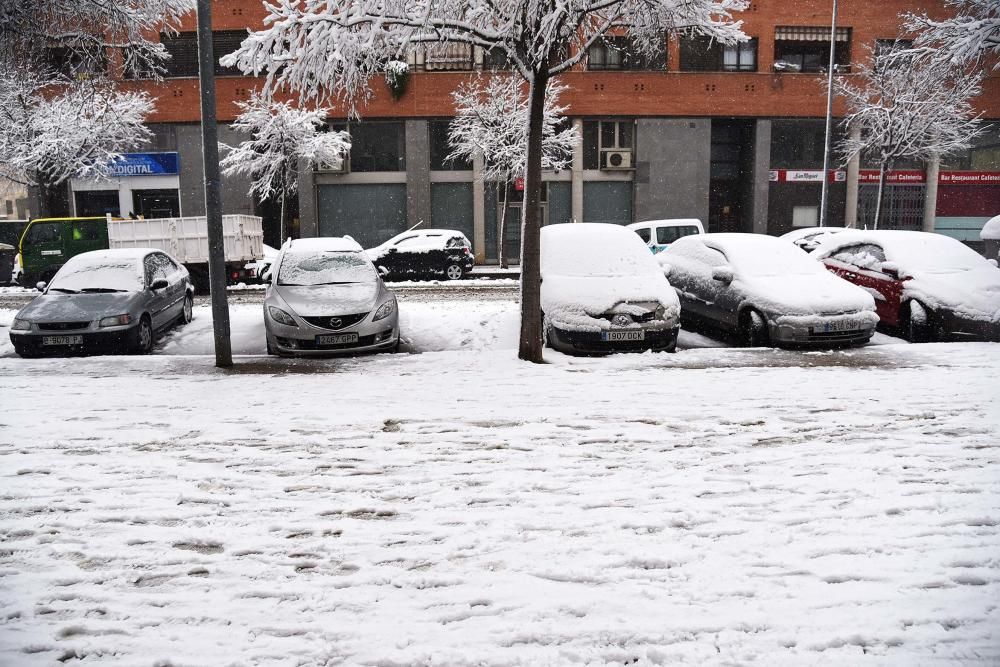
819,331
301,340
589,342
117,341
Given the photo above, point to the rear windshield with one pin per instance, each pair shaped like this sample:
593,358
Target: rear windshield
86,274
325,268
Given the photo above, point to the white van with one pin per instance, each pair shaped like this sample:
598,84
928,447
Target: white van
658,234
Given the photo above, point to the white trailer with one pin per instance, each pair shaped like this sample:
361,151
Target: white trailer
187,240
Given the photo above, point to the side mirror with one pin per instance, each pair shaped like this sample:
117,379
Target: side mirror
382,271
266,276
890,269
723,274
993,262
159,284
40,285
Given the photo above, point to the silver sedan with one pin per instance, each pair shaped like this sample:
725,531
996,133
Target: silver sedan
325,297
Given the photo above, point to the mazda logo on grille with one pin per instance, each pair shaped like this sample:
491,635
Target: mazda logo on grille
336,322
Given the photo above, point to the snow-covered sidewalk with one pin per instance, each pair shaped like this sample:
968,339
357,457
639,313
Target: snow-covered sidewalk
462,508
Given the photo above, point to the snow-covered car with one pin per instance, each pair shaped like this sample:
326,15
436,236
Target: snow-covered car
326,297
928,286
602,291
105,301
257,268
659,234
809,238
766,291
424,254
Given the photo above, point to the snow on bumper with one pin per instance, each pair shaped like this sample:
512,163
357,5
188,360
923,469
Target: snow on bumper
846,328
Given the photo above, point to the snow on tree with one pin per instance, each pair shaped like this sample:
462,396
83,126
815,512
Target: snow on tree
281,136
48,135
967,37
491,120
333,48
907,105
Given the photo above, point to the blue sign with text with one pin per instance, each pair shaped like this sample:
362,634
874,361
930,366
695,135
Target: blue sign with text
145,164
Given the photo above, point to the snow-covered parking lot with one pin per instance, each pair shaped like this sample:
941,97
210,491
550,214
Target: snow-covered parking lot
457,507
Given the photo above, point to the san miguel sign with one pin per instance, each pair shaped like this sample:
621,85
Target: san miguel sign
899,177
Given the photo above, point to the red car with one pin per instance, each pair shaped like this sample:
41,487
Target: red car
928,286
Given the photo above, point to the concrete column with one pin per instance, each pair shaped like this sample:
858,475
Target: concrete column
478,210
576,176
853,173
673,168
930,194
418,174
308,213
761,175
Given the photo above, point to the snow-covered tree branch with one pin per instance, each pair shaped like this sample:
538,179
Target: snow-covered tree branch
491,120
331,49
281,136
968,37
48,135
907,106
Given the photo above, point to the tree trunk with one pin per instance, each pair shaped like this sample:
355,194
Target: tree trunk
881,193
282,224
530,348
930,194
502,227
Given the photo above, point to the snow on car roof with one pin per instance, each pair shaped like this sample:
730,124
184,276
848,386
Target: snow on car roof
920,250
115,253
594,248
991,230
326,244
668,222
807,232
760,254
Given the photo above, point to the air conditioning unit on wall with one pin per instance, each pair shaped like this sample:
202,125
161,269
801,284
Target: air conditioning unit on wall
613,158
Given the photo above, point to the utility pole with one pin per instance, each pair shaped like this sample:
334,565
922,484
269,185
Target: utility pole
829,118
213,199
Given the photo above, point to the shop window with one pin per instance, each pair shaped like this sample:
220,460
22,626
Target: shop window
805,216
807,49
603,138
701,54
440,148
621,53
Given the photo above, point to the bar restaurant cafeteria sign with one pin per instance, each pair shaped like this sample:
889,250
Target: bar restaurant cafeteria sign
898,177
145,164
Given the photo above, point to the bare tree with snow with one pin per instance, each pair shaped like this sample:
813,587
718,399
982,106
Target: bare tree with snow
281,136
491,120
907,106
49,134
968,37
333,48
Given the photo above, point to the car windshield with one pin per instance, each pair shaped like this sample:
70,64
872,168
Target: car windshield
325,268
933,253
105,274
765,256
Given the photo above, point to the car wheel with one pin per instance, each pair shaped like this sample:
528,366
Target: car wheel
144,337
187,310
917,323
753,329
453,272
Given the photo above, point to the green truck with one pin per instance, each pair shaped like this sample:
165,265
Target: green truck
48,242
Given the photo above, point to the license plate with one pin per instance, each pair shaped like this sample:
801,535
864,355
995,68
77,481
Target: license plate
841,325
62,340
631,334
337,339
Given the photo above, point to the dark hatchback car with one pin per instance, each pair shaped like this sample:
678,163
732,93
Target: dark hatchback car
427,254
105,301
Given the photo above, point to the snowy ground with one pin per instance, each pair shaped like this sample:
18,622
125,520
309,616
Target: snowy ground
456,507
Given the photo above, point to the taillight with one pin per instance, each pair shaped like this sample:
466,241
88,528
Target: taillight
236,275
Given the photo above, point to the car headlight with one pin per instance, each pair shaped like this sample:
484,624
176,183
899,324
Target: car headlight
281,317
115,320
385,310
20,325
661,312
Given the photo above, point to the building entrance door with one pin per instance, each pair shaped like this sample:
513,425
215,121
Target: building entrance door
156,203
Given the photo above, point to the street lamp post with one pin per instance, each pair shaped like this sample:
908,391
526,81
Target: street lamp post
829,119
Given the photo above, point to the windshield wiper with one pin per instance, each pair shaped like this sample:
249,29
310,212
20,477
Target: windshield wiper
64,289
335,282
101,289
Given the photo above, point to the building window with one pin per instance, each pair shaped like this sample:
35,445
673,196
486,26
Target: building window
805,216
601,138
620,53
449,56
440,148
183,50
702,54
76,62
496,59
807,49
376,146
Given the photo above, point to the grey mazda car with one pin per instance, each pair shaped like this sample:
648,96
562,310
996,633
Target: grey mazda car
105,301
324,296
